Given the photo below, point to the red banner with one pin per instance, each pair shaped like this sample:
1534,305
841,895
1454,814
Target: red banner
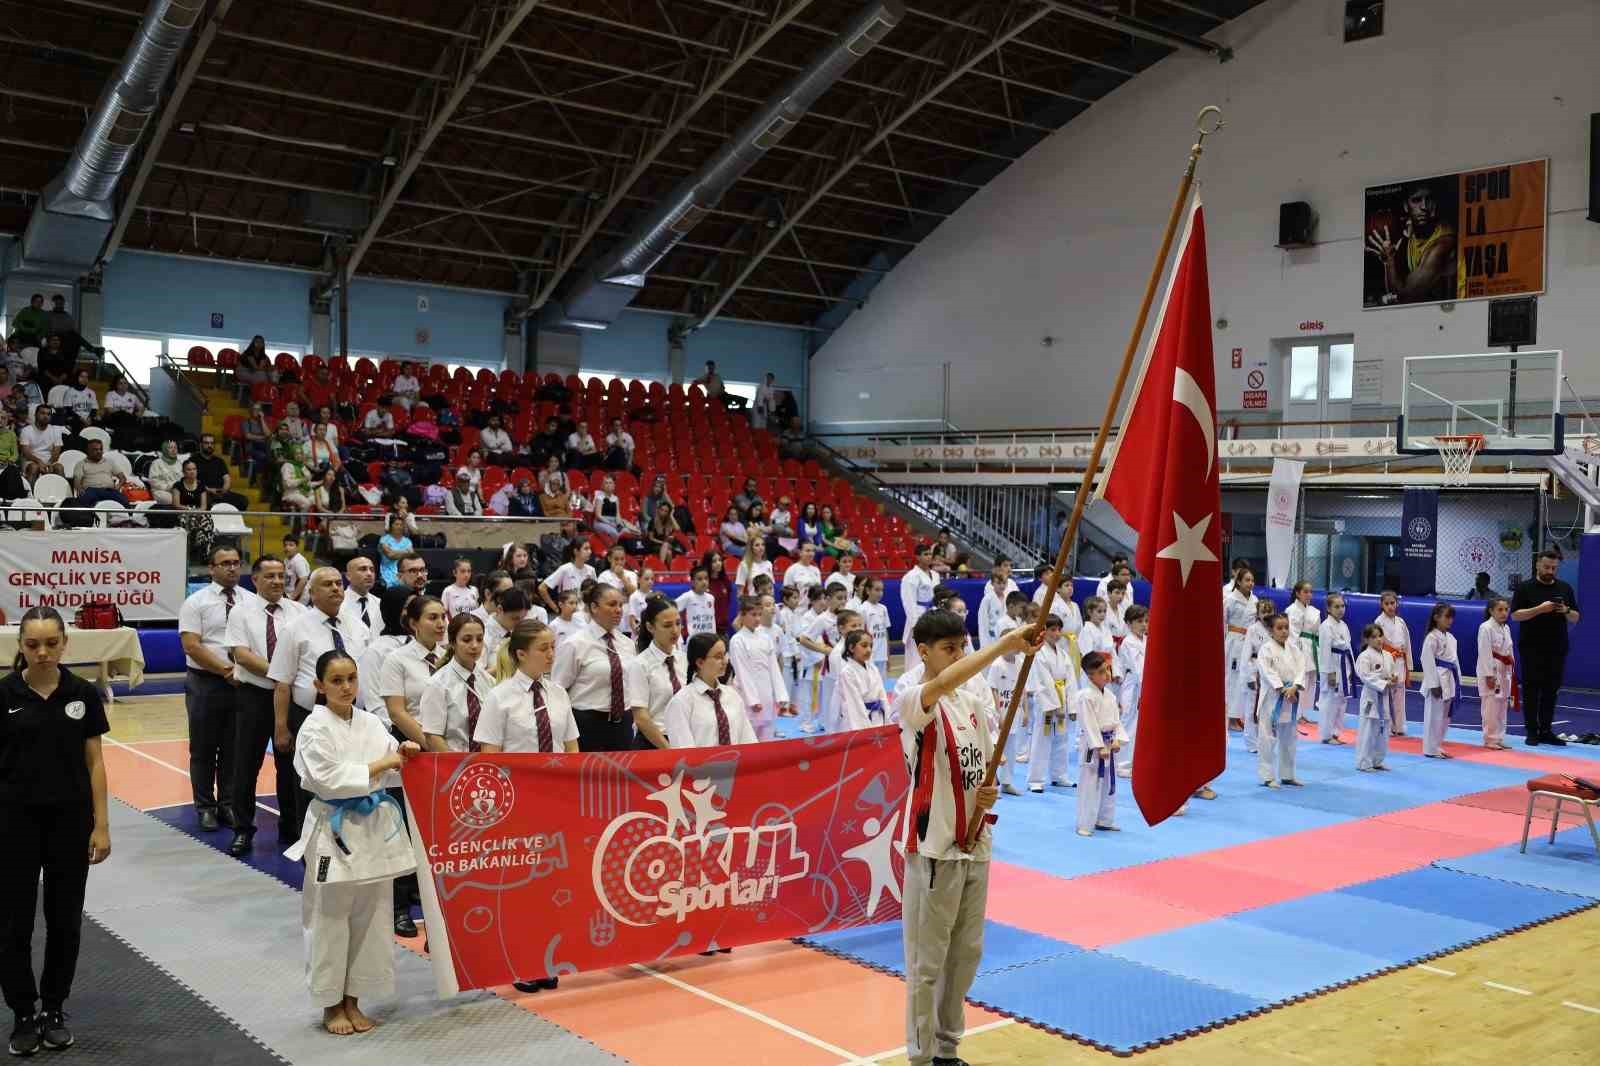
546,865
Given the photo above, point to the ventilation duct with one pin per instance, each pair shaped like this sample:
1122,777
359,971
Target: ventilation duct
612,282
74,216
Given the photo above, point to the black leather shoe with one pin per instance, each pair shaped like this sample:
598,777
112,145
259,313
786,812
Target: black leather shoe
527,986
1532,742
208,821
225,816
951,1062
1556,739
548,983
403,925
240,845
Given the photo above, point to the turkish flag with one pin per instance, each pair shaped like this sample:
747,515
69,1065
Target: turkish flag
1164,482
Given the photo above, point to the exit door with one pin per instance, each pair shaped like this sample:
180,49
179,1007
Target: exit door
1319,373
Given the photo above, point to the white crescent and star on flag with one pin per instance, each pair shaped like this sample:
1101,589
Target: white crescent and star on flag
1190,545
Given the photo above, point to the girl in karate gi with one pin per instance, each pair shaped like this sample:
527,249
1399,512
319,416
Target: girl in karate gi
1304,626
1378,672
354,844
847,621
756,672
1130,656
1497,671
1118,600
876,616
1096,636
1100,737
1052,741
1238,614
819,622
1441,680
789,655
1282,667
1336,662
1254,637
1002,677
858,688
1397,645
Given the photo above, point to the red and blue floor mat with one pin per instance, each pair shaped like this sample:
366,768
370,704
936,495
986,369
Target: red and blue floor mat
1260,898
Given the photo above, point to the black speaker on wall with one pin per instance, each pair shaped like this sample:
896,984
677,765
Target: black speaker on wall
1296,220
1594,167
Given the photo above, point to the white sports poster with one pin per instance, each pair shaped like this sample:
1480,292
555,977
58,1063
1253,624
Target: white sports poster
1283,499
141,571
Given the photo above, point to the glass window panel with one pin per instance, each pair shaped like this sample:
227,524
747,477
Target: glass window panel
1303,373
138,354
1341,370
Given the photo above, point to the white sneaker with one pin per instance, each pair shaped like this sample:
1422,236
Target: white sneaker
1035,788
1124,773
1012,790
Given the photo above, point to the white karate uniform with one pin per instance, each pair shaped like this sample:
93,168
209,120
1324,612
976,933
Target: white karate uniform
1052,741
1117,621
876,618
1099,723
1094,637
991,611
859,694
1238,615
1279,666
1496,678
759,678
816,687
1254,638
1378,672
1438,658
787,619
1304,628
1002,676
1336,660
1398,635
346,907
633,612
916,596
1130,656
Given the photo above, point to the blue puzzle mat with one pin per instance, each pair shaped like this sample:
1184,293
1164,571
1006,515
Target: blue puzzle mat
1388,931
1570,865
1112,1003
1488,901
883,948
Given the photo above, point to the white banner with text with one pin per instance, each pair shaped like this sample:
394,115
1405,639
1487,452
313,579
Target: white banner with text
141,571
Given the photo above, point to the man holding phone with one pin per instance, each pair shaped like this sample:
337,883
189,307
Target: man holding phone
1546,607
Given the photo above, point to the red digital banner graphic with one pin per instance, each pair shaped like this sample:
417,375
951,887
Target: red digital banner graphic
547,865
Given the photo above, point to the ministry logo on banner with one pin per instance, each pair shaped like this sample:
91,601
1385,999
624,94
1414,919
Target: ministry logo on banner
540,865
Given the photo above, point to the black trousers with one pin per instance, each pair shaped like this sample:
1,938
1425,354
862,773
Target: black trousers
293,801
253,732
405,886
1541,682
210,702
598,732
53,841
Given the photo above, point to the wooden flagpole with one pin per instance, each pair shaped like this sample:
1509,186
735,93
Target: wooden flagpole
1070,535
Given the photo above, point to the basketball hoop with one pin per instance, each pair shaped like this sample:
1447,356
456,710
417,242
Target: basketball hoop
1457,452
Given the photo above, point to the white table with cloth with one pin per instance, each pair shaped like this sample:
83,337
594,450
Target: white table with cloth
115,651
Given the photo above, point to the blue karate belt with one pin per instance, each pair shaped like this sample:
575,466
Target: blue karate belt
1455,672
1381,700
362,805
1106,737
1347,669
874,707
1277,709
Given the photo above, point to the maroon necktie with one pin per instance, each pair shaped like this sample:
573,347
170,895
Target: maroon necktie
474,705
272,630
672,673
724,736
432,659
616,677
227,594
542,718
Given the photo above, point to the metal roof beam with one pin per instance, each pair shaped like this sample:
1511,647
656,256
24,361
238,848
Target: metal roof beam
1134,27
977,56
442,115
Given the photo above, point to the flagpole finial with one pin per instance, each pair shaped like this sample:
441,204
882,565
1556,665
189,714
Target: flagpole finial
1212,112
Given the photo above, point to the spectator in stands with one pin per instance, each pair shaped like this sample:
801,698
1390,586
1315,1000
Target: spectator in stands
254,363
282,444
747,498
294,423
379,423
524,502
449,423
463,499
188,494
77,399
721,587
757,530
63,325
662,534
716,391
549,442
328,498
328,427
10,454
294,482
391,546
555,489
782,532
607,518
5,381
255,433
553,547
619,447
657,494
322,448
55,362
733,533
166,470
214,474
31,325
582,452
98,478
766,401
792,442
497,444
400,507
945,550
500,503
123,400
834,541
406,388
810,527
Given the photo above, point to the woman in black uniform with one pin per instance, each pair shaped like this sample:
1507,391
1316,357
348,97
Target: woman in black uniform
52,820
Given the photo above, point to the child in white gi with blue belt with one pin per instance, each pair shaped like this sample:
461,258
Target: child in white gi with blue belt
1282,668
1441,680
1378,672
1100,737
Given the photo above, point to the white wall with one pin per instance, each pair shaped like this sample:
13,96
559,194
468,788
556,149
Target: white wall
1061,243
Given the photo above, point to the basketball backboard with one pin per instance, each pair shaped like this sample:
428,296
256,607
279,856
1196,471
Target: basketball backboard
1512,399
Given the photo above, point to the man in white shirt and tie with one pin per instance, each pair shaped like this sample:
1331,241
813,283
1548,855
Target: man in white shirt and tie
254,630
293,672
208,688
595,668
359,601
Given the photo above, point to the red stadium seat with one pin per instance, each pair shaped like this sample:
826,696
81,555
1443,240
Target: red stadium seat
228,360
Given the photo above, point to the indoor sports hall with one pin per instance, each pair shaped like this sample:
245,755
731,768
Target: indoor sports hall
800,532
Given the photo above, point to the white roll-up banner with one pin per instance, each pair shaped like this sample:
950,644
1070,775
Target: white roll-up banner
1283,499
142,571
